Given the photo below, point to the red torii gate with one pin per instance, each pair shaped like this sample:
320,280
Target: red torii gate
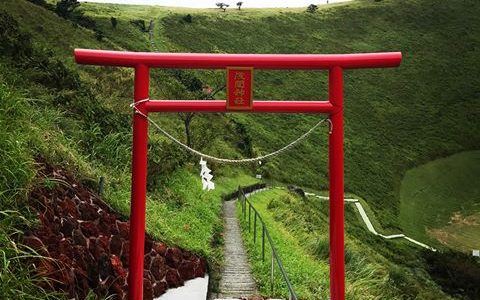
142,62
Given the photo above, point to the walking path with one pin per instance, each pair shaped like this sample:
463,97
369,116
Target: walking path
369,224
237,280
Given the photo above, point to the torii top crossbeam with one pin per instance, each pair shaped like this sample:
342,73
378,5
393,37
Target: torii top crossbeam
221,61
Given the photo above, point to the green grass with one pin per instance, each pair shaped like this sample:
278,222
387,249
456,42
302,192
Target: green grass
70,127
305,273
17,277
17,171
396,119
299,228
432,194
301,237
182,214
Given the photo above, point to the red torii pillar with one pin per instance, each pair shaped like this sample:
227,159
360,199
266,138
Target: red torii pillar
142,62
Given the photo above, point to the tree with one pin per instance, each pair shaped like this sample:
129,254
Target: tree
239,4
222,5
114,22
187,118
65,8
312,8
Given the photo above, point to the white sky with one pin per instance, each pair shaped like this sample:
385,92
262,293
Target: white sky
211,3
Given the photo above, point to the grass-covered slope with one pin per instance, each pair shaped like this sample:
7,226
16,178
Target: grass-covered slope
395,118
375,268
449,190
78,118
84,121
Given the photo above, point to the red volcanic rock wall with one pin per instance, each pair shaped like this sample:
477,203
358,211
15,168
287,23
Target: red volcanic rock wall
86,245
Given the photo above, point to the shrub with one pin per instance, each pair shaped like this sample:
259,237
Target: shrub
458,274
312,8
84,21
322,248
273,203
187,18
140,24
38,2
99,35
50,72
164,158
42,67
188,79
114,22
65,8
13,41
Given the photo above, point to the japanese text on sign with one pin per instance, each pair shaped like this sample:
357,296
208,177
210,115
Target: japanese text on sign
239,88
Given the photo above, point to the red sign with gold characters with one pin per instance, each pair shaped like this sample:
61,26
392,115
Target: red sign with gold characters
239,88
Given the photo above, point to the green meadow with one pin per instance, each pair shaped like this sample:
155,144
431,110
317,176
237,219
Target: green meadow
449,190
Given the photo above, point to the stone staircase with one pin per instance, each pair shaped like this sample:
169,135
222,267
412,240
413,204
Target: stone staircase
237,281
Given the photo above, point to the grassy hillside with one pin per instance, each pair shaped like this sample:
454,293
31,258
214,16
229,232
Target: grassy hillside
376,268
396,119
449,190
78,119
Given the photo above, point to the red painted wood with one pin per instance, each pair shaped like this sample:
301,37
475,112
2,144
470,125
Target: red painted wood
222,61
335,171
220,106
139,187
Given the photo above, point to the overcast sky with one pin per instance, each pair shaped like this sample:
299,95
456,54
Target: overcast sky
211,3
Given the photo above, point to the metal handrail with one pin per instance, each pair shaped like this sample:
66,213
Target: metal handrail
265,233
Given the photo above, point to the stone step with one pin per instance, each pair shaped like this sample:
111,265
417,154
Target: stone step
237,281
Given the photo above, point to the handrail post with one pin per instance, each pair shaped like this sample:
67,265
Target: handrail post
263,242
255,227
239,197
244,203
249,218
272,270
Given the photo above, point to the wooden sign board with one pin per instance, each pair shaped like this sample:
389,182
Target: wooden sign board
239,88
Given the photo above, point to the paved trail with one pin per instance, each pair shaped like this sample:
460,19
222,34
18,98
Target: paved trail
237,280
369,224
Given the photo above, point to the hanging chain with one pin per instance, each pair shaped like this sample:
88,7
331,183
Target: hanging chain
226,160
